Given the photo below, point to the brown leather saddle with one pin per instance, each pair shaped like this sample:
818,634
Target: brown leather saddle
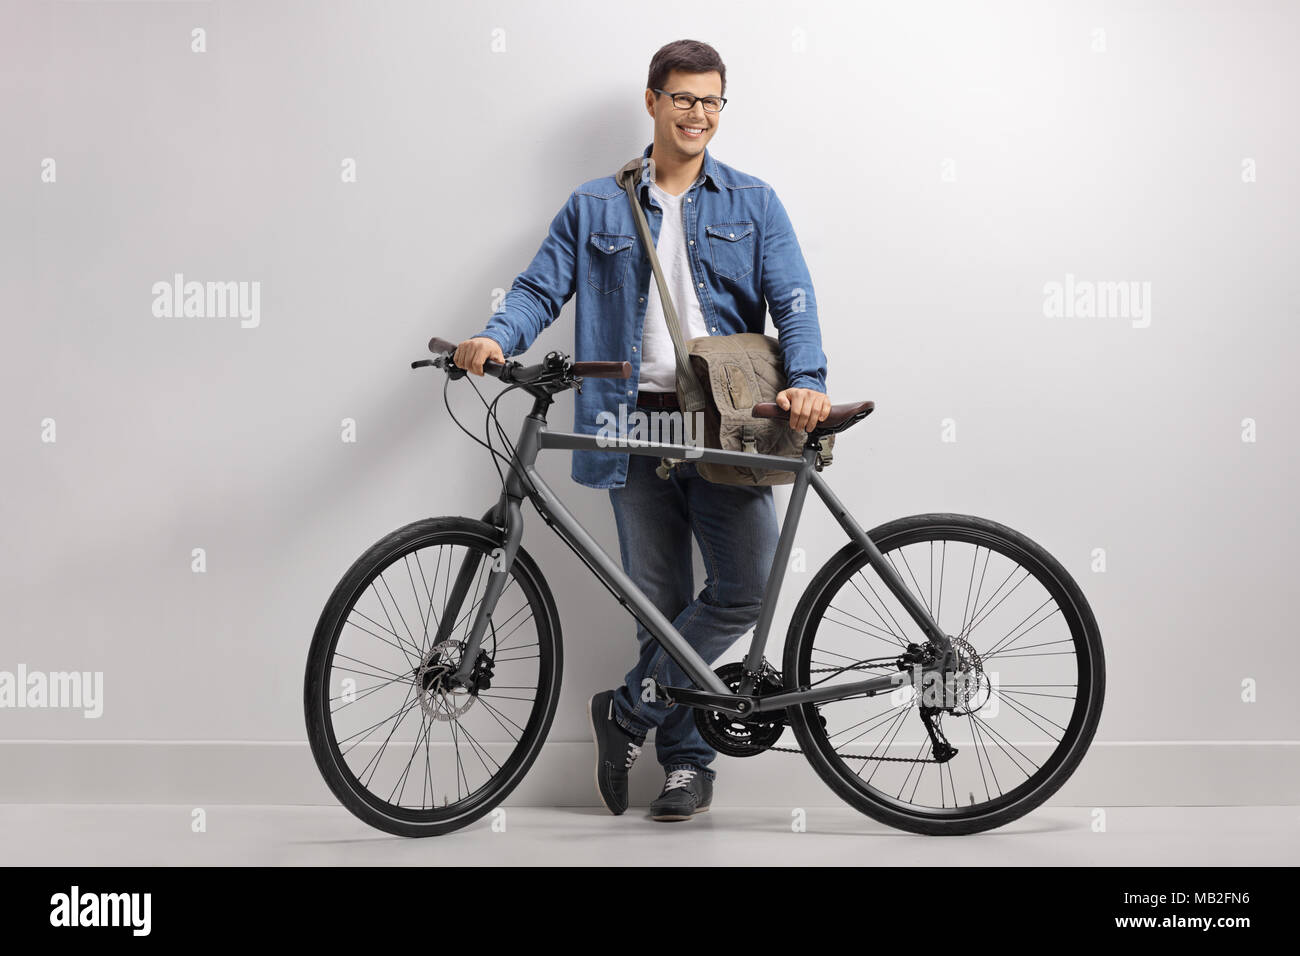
842,417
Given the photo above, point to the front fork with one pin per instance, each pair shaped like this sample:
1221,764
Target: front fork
502,557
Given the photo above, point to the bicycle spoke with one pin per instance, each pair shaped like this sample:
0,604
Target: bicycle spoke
359,697
500,717
943,558
382,673
897,726
379,754
985,726
965,614
906,564
391,626
419,737
901,641
878,720
975,622
1064,640
1004,643
895,638
377,637
980,747
1016,706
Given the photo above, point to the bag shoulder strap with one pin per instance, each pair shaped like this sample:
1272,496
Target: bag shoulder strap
692,396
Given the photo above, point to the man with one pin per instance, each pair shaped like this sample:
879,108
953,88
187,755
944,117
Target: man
729,254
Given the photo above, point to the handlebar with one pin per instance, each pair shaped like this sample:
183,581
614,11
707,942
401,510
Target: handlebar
555,365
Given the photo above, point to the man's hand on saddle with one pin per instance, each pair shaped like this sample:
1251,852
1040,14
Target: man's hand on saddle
806,406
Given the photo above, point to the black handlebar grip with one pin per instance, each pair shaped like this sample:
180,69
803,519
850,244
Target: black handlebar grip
440,345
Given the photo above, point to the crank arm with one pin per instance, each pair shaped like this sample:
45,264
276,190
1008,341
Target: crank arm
704,700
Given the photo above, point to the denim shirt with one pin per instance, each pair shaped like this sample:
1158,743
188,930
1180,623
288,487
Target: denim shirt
744,260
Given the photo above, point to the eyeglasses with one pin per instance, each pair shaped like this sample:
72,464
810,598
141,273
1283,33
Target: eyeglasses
684,101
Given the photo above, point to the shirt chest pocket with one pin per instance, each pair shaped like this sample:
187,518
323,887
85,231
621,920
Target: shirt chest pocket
607,258
731,248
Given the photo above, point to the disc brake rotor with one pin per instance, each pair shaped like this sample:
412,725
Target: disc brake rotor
974,688
438,701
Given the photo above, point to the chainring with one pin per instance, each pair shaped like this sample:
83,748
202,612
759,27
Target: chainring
739,737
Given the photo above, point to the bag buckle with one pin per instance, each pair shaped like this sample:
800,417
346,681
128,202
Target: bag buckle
747,443
824,452
666,465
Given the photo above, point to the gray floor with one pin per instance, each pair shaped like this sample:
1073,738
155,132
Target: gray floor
71,834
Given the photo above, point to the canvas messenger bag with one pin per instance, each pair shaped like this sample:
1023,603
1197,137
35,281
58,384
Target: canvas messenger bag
724,377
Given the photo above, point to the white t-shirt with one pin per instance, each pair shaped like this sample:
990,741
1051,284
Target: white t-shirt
658,364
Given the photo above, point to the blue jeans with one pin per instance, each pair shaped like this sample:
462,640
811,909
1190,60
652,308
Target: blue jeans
736,528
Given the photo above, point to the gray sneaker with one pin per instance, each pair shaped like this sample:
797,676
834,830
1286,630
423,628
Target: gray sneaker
616,751
685,793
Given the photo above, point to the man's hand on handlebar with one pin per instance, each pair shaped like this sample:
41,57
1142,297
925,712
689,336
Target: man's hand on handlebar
472,353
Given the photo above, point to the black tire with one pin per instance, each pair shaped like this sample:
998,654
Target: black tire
815,735
526,583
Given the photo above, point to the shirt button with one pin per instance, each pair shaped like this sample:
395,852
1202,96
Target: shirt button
715,328
731,234
611,247
688,198
634,348
701,285
690,242
629,393
642,299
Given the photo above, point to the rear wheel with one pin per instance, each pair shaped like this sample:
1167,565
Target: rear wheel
399,746
1032,676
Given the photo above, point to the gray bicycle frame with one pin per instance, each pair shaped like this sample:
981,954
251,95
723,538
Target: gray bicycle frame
523,481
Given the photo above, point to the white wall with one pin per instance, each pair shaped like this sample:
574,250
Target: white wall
174,434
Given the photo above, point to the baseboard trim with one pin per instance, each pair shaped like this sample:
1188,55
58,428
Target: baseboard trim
197,773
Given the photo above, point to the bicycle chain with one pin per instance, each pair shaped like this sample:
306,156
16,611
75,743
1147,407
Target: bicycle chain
796,750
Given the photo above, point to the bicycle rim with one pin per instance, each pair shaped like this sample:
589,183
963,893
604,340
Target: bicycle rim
397,747
1022,624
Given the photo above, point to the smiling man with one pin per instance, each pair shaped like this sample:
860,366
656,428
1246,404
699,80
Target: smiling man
729,256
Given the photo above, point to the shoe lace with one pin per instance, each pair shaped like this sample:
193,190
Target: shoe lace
633,751
678,778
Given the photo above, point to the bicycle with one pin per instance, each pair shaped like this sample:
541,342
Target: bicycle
495,668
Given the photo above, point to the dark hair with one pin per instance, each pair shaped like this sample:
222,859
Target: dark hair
689,56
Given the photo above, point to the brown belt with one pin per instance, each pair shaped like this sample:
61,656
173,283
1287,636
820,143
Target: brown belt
656,399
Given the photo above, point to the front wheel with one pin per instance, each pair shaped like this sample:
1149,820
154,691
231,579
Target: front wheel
399,745
1029,657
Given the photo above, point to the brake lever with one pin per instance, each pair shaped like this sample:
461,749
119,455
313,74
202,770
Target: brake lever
454,371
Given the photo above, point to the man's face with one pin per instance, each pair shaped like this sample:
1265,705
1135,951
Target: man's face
673,126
